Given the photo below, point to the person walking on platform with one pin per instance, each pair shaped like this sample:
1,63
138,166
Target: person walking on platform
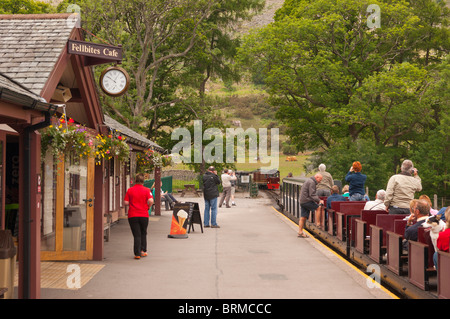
401,188
309,201
356,182
210,195
139,200
226,184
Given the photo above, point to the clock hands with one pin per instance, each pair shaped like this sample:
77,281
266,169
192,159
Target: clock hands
115,81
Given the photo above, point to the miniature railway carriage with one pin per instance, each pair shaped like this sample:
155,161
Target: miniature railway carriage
267,179
373,240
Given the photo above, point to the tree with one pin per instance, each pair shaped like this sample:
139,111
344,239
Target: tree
24,7
154,34
171,48
341,85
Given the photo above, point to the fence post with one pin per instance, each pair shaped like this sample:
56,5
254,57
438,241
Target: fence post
157,191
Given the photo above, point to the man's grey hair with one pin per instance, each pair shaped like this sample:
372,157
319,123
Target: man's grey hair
322,167
407,165
381,194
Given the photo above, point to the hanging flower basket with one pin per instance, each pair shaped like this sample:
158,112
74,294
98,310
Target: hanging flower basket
149,159
109,146
64,137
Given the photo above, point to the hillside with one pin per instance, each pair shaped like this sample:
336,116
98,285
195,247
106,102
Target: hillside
265,17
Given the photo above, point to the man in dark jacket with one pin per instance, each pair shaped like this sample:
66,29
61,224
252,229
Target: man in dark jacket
418,217
309,201
210,194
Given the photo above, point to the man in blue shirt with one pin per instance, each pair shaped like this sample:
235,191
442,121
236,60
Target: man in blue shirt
335,196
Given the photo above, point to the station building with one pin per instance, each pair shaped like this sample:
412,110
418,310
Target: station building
57,207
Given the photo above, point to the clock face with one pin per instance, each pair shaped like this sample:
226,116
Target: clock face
114,81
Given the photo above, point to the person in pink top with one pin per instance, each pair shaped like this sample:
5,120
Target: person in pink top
139,199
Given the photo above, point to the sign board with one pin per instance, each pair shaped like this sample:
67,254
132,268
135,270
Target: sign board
95,50
245,179
195,217
184,215
180,220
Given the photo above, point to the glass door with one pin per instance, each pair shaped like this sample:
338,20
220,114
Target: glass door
68,209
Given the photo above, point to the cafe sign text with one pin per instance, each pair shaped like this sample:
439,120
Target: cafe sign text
95,50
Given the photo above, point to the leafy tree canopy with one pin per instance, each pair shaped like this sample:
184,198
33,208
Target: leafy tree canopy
357,92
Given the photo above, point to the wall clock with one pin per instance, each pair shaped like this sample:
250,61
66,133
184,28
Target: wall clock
114,81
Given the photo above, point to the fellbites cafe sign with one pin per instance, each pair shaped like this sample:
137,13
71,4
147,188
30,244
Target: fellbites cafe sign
95,50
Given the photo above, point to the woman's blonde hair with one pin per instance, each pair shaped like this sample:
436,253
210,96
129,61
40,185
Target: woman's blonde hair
412,204
425,197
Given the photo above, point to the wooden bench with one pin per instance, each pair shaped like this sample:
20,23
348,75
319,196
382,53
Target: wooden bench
420,263
396,258
107,226
377,245
400,226
423,236
348,211
394,248
189,188
331,220
443,275
362,229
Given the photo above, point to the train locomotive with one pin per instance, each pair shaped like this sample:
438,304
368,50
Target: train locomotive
264,178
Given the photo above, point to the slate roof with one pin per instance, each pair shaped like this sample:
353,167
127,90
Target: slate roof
7,83
14,92
131,135
30,45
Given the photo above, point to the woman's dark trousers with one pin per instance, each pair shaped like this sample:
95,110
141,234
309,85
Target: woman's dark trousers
138,227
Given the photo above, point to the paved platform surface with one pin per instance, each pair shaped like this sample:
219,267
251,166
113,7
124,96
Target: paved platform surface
255,254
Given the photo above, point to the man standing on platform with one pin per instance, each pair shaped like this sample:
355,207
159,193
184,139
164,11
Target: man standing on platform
226,184
210,195
309,201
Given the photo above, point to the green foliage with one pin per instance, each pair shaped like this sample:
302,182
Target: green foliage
170,49
24,7
354,92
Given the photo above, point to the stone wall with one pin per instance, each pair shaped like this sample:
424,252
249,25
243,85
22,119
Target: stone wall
186,175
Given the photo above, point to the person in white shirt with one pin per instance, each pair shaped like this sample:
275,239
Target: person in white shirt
226,184
378,203
233,187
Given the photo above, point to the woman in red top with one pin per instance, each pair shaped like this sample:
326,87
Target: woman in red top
443,241
444,237
139,199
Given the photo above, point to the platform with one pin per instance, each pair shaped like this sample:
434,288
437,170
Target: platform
255,254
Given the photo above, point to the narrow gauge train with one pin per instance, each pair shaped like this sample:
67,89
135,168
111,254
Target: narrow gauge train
373,240
266,179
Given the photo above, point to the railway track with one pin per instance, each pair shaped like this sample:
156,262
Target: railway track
396,284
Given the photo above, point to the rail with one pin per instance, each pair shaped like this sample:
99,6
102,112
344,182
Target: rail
350,234
290,197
